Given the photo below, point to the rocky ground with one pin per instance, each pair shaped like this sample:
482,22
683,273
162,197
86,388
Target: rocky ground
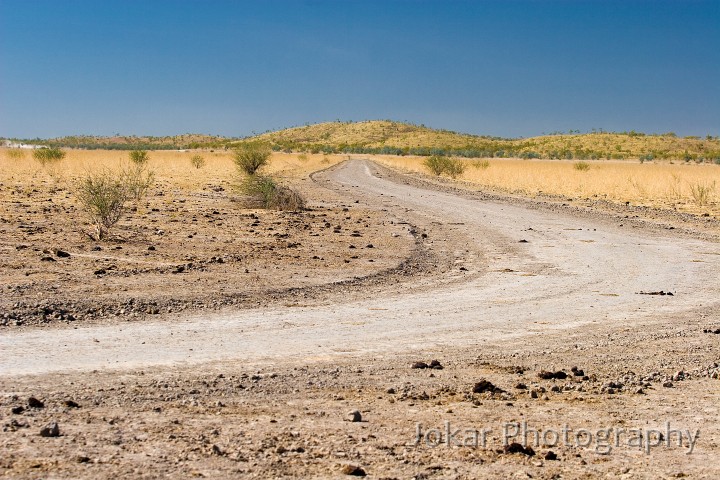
600,397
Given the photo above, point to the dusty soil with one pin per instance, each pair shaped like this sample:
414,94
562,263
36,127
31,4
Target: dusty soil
184,250
502,293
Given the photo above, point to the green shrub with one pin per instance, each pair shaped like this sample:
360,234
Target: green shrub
139,157
197,161
454,167
48,156
436,164
103,197
439,164
250,157
581,166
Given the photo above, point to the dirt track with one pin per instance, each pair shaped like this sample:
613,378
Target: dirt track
532,287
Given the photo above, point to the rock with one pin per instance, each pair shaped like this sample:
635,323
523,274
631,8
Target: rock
355,416
47,259
71,404
100,271
17,410
485,386
550,455
521,386
370,245
62,254
35,403
668,385
578,372
517,448
391,391
436,365
353,470
419,365
50,430
559,375
82,459
151,248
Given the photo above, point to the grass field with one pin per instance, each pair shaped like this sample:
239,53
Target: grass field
171,167
687,187
661,185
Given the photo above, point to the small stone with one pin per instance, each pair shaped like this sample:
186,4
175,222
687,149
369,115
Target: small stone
550,455
668,385
436,365
35,403
486,386
50,430
355,416
71,404
353,470
17,410
62,254
391,391
517,448
419,365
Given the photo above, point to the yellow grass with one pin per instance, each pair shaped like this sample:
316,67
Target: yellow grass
661,185
171,167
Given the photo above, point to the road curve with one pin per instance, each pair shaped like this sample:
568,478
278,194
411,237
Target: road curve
570,271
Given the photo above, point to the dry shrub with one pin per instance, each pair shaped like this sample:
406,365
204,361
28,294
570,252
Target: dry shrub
581,166
263,191
103,197
197,161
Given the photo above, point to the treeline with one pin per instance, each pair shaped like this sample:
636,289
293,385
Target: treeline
498,151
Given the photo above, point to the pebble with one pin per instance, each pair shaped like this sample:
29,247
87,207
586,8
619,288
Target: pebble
50,430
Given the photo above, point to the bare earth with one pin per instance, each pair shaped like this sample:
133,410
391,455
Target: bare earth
258,381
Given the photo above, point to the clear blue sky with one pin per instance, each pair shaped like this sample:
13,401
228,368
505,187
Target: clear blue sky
507,68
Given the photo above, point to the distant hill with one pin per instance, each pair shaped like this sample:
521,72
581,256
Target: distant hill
396,138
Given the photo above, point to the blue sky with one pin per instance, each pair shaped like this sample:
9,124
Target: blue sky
510,68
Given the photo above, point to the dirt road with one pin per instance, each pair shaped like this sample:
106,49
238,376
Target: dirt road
518,273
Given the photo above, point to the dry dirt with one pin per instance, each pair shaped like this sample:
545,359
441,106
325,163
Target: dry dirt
498,290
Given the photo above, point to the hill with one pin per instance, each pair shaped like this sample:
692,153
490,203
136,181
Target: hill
396,138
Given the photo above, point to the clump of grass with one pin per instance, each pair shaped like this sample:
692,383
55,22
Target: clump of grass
440,164
251,157
197,161
48,156
481,164
265,192
103,197
302,157
701,192
15,154
581,166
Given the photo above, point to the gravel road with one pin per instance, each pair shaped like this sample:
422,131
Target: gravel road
516,272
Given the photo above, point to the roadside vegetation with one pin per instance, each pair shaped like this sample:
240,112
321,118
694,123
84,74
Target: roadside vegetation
259,189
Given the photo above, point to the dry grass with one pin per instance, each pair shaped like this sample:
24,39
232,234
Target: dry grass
685,187
170,167
658,184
